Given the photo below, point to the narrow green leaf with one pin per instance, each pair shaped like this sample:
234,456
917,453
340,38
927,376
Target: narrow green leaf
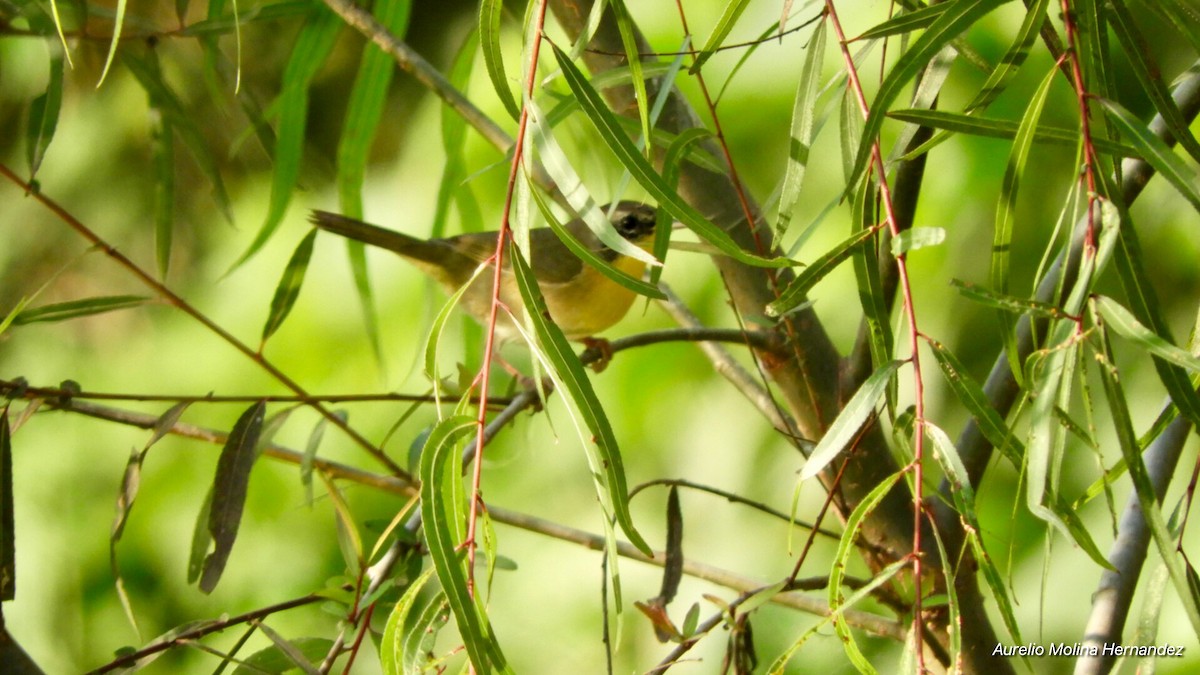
956,18
434,341
1143,487
971,395
166,422
391,645
917,237
309,52
163,145
956,472
1127,326
183,122
615,140
1184,177
62,37
490,12
43,117
1017,52
442,516
229,491
348,537
733,11
680,149
605,458
73,309
310,453
1006,214
850,128
289,285
274,659
118,24
871,295
989,127
1143,301
847,548
420,637
201,540
796,292
629,42
849,422
1007,303
289,653
1051,379
1183,15
803,130
1149,76
905,22
573,189
995,582
365,107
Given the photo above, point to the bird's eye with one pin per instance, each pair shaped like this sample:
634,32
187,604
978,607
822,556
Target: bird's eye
628,225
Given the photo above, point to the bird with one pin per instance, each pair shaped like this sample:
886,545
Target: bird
581,300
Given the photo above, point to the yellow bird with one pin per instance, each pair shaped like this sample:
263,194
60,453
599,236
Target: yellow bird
582,301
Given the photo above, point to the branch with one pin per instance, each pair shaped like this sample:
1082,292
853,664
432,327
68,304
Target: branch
174,300
215,626
1111,601
1001,387
864,620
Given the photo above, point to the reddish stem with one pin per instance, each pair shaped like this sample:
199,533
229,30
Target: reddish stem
910,315
498,258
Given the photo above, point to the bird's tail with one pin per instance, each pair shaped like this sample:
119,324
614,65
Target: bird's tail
398,242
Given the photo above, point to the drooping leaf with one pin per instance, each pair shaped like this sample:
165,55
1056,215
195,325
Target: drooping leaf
733,11
1127,326
311,48
272,660
229,491
43,117
797,291
849,422
74,309
1183,176
391,644
989,127
288,288
442,514
118,24
573,189
605,457
956,18
803,131
616,140
1143,486
846,547
490,12
166,102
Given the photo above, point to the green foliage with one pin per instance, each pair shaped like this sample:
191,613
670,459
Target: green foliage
140,129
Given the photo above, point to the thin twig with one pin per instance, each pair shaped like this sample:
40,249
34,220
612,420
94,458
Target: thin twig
171,298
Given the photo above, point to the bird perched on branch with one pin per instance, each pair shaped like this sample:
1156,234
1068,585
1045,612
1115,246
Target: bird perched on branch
582,301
